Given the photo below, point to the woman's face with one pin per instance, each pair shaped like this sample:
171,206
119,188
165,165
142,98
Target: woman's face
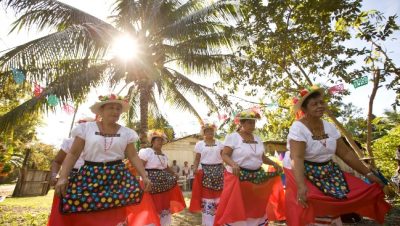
248,125
208,133
315,107
157,142
111,111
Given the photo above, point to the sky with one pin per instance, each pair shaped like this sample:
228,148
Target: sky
57,124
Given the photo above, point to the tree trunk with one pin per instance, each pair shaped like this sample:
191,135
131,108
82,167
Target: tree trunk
144,90
346,134
73,120
376,75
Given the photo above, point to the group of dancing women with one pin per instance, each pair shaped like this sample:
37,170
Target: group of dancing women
233,184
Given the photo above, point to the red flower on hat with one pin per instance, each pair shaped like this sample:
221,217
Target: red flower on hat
303,92
113,97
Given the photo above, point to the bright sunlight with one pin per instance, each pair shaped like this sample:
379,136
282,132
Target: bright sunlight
125,47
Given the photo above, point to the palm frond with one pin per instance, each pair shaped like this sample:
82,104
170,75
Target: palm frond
68,86
201,64
227,10
41,14
184,84
177,99
77,42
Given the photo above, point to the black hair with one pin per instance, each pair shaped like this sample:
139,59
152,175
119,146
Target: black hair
311,96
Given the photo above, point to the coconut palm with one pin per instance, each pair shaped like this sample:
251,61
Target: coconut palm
175,39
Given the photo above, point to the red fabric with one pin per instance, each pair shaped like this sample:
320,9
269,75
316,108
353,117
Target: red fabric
364,199
242,199
199,192
171,200
141,214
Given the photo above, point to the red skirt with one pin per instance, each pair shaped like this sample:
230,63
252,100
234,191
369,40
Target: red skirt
363,199
241,200
199,192
141,214
171,200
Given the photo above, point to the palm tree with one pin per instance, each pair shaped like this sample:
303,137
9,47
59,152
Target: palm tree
176,38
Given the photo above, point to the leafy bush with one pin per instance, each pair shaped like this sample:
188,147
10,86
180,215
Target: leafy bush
385,149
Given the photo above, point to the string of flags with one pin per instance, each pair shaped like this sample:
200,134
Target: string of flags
19,78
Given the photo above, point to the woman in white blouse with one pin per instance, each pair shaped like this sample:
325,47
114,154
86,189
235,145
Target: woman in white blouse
166,195
247,187
103,192
316,186
209,180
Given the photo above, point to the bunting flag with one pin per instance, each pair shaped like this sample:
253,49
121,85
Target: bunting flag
360,82
336,89
18,75
52,100
68,109
37,90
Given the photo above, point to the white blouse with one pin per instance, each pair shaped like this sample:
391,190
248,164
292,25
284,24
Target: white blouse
153,161
99,148
66,147
316,150
209,154
246,155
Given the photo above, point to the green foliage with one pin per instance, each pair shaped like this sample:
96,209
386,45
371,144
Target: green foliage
175,39
385,149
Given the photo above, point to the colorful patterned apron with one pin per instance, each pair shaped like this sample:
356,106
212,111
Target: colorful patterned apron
327,177
161,180
257,176
101,186
213,177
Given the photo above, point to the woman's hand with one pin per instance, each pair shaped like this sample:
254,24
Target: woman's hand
302,195
235,169
61,187
147,183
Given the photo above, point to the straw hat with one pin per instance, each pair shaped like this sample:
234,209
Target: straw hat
156,133
207,125
252,114
112,98
298,101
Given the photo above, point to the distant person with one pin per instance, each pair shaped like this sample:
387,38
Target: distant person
191,177
166,194
175,167
185,169
209,183
246,197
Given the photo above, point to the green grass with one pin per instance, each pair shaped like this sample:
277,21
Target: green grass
26,210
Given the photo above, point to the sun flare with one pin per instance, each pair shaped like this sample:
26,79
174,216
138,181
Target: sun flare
125,47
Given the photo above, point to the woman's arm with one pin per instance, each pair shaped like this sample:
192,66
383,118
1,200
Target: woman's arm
196,162
268,161
297,152
68,163
226,156
131,154
350,158
56,165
